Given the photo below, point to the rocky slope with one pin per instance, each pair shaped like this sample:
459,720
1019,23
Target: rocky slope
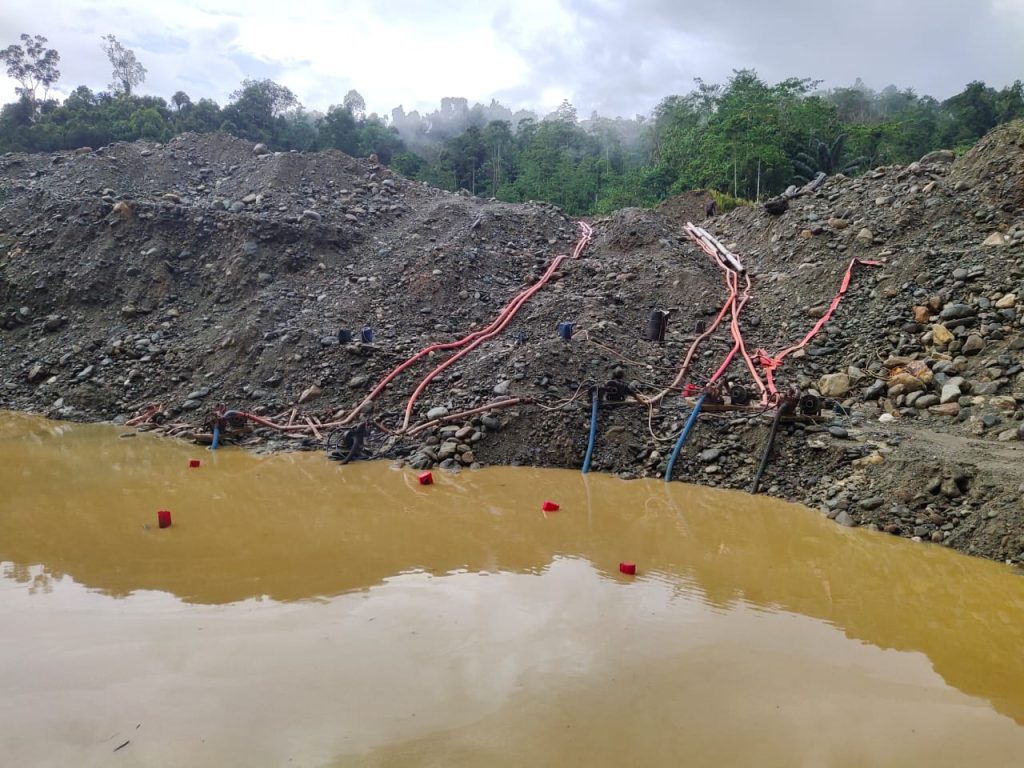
207,271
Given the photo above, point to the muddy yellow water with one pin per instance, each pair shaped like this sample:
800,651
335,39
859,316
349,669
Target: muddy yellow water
302,613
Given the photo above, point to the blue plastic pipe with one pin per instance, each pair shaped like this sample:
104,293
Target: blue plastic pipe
682,438
593,432
216,437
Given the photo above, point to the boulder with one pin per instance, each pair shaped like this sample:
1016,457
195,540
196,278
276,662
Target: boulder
310,393
941,335
834,385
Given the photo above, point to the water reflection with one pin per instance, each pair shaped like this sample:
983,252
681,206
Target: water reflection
80,501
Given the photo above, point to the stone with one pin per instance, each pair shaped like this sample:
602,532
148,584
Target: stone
249,199
845,519
921,314
310,393
1007,301
837,223
37,373
311,216
941,335
957,312
710,454
926,401
950,488
973,345
122,209
873,502
865,236
938,156
838,432
261,149
996,240
502,387
950,392
945,409
834,385
908,382
870,460
437,412
1005,403
875,391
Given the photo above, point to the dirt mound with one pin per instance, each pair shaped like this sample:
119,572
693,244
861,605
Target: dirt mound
995,166
689,206
165,279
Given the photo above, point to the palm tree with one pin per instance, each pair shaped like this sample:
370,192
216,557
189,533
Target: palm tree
827,158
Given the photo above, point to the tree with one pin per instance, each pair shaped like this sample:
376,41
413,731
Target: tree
33,65
974,111
265,96
826,157
128,72
202,117
181,101
257,111
337,130
355,104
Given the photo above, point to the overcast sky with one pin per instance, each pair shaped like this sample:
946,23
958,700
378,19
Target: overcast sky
619,57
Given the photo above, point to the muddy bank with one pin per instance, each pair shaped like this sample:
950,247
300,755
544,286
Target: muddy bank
164,280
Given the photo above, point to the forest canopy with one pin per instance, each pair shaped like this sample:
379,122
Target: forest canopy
745,137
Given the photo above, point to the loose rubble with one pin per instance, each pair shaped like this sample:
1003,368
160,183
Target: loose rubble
150,283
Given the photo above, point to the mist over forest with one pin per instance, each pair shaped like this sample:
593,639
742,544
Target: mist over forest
745,138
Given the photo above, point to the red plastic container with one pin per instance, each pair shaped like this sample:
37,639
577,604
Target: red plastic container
427,478
550,506
628,568
193,463
163,517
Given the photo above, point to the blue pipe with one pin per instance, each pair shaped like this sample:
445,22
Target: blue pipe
593,432
682,438
216,437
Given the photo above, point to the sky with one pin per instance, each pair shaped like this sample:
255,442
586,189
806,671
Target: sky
615,57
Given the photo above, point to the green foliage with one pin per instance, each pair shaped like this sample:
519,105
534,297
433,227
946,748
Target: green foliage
742,140
727,202
127,71
257,111
828,158
33,65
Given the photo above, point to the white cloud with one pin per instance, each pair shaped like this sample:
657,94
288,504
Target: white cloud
617,57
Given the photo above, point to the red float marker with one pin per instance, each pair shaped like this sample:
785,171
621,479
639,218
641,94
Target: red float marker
628,568
550,506
427,478
193,463
163,518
